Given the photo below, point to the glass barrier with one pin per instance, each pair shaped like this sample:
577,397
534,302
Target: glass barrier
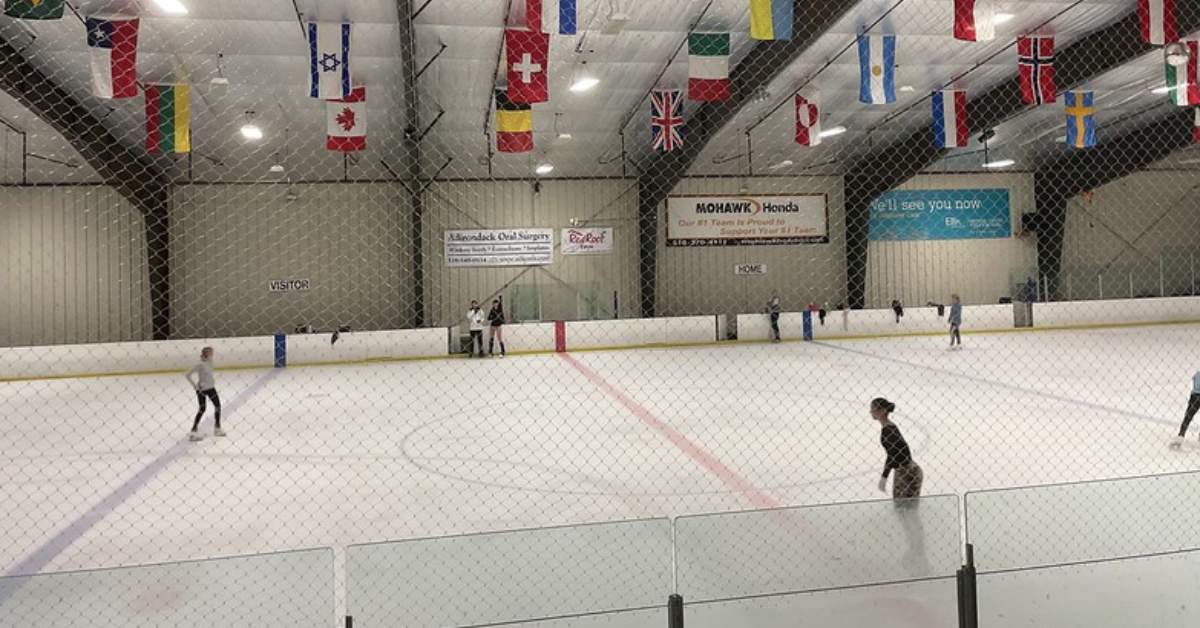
507,577
740,554
919,604
1144,592
293,589
1068,523
642,618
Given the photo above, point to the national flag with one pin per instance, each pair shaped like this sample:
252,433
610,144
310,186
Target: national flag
708,67
1157,18
329,60
1081,119
346,122
527,54
533,15
1196,126
950,128
34,9
666,119
771,19
974,20
168,118
877,69
1035,63
563,16
114,56
1183,82
514,125
808,118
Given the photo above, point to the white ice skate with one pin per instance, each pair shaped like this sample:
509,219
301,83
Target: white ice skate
195,437
219,432
1177,442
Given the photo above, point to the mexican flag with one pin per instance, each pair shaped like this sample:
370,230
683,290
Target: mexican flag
34,9
708,67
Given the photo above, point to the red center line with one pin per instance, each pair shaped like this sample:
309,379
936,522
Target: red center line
698,454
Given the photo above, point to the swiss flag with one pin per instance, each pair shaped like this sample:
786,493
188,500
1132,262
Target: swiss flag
346,122
527,54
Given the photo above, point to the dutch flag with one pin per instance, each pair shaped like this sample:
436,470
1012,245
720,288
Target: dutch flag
877,69
329,61
950,118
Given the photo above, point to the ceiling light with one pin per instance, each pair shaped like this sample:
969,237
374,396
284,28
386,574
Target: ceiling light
1161,89
999,163
545,168
584,83
566,137
251,131
277,169
783,164
1062,139
832,131
1001,18
174,7
907,88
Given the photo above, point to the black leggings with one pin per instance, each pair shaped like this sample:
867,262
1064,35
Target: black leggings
774,326
1193,407
211,394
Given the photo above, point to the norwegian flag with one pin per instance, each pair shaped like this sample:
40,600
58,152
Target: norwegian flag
808,118
666,119
1035,59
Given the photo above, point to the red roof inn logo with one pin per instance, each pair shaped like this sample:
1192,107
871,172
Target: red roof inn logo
587,241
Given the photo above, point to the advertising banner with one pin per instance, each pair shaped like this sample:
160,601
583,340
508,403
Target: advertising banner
499,247
587,241
941,215
746,220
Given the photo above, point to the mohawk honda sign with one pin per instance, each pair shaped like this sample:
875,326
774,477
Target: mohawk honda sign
747,220
590,241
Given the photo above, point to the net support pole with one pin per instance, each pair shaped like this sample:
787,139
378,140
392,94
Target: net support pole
412,157
675,611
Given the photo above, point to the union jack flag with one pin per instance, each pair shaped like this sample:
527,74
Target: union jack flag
666,119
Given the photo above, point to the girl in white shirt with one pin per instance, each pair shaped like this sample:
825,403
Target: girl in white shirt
475,324
205,386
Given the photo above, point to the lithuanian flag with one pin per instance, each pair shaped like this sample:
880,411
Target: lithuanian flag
514,125
168,118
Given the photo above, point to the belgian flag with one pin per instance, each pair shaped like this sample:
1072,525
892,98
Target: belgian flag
514,125
168,118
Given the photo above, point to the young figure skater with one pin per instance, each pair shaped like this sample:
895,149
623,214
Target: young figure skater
205,386
898,310
1192,407
955,321
496,331
475,324
909,476
773,310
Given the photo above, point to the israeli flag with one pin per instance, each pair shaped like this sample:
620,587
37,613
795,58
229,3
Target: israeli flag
877,69
329,61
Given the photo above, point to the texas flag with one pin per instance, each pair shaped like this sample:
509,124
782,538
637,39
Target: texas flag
114,57
974,20
346,122
527,54
328,60
950,118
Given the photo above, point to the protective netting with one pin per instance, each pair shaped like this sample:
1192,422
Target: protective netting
703,235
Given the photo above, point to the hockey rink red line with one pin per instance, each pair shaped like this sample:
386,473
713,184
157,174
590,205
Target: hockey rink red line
730,478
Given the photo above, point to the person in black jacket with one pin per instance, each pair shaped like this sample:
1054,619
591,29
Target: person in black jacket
898,310
909,476
496,326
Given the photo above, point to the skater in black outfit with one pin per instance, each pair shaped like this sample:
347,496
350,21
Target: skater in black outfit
898,309
1193,407
206,387
496,330
773,310
909,476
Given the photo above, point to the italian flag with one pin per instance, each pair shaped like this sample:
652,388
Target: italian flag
708,67
168,118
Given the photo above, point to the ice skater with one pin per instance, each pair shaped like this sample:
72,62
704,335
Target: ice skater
206,387
773,310
475,324
496,326
1192,407
909,476
898,310
955,321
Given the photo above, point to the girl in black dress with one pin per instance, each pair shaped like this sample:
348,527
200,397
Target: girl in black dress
909,476
496,326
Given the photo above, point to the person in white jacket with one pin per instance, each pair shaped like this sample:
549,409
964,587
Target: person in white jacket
475,320
205,386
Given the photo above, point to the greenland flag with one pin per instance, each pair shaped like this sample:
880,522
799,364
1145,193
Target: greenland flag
950,118
346,122
113,44
974,20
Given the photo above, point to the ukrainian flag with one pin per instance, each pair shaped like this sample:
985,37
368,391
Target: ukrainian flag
771,19
168,118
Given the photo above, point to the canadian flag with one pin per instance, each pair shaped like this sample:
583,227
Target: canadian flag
346,122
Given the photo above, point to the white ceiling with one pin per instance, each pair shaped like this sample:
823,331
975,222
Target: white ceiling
260,48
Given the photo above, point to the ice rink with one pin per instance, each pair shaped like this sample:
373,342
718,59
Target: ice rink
98,472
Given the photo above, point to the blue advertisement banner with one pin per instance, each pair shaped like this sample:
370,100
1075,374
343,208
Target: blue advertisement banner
940,215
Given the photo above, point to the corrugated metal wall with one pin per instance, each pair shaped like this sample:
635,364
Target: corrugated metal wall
72,267
573,287
228,242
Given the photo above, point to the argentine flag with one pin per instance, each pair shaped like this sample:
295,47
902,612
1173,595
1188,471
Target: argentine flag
877,69
329,61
